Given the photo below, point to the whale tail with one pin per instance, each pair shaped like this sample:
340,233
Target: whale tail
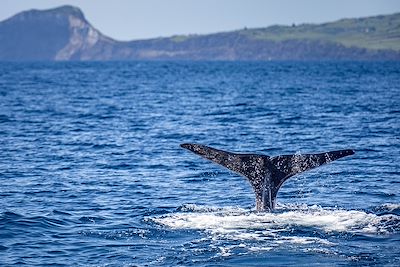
266,174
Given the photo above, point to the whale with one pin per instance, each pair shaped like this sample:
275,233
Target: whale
266,174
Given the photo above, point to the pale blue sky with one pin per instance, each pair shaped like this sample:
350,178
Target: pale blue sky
139,19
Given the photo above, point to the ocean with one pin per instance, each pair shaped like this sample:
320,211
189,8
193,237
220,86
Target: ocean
92,173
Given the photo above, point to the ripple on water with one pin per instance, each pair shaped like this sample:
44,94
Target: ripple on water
91,170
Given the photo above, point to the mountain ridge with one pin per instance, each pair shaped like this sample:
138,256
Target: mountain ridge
63,34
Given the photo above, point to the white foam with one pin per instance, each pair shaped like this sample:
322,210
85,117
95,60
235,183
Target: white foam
230,220
257,232
257,249
274,229
200,208
390,206
225,251
304,240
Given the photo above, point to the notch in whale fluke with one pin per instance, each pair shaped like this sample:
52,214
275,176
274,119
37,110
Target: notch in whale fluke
266,174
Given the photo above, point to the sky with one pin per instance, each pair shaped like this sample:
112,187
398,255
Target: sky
142,19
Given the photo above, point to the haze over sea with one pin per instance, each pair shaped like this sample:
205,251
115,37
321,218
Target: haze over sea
92,173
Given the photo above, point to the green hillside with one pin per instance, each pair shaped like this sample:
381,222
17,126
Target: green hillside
379,32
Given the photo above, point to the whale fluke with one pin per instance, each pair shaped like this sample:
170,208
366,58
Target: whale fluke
266,174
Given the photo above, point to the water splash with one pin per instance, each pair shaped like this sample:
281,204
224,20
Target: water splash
295,224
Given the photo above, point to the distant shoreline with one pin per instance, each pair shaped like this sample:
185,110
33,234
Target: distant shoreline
64,34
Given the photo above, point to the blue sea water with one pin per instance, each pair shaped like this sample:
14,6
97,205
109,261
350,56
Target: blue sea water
92,173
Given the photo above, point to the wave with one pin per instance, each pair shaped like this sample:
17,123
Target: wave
389,207
288,216
290,225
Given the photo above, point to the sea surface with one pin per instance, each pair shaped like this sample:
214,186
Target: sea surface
91,172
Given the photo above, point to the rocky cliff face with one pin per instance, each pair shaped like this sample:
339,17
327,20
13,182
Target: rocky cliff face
58,34
64,34
83,39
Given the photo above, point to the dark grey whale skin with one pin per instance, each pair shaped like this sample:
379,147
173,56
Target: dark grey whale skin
266,174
